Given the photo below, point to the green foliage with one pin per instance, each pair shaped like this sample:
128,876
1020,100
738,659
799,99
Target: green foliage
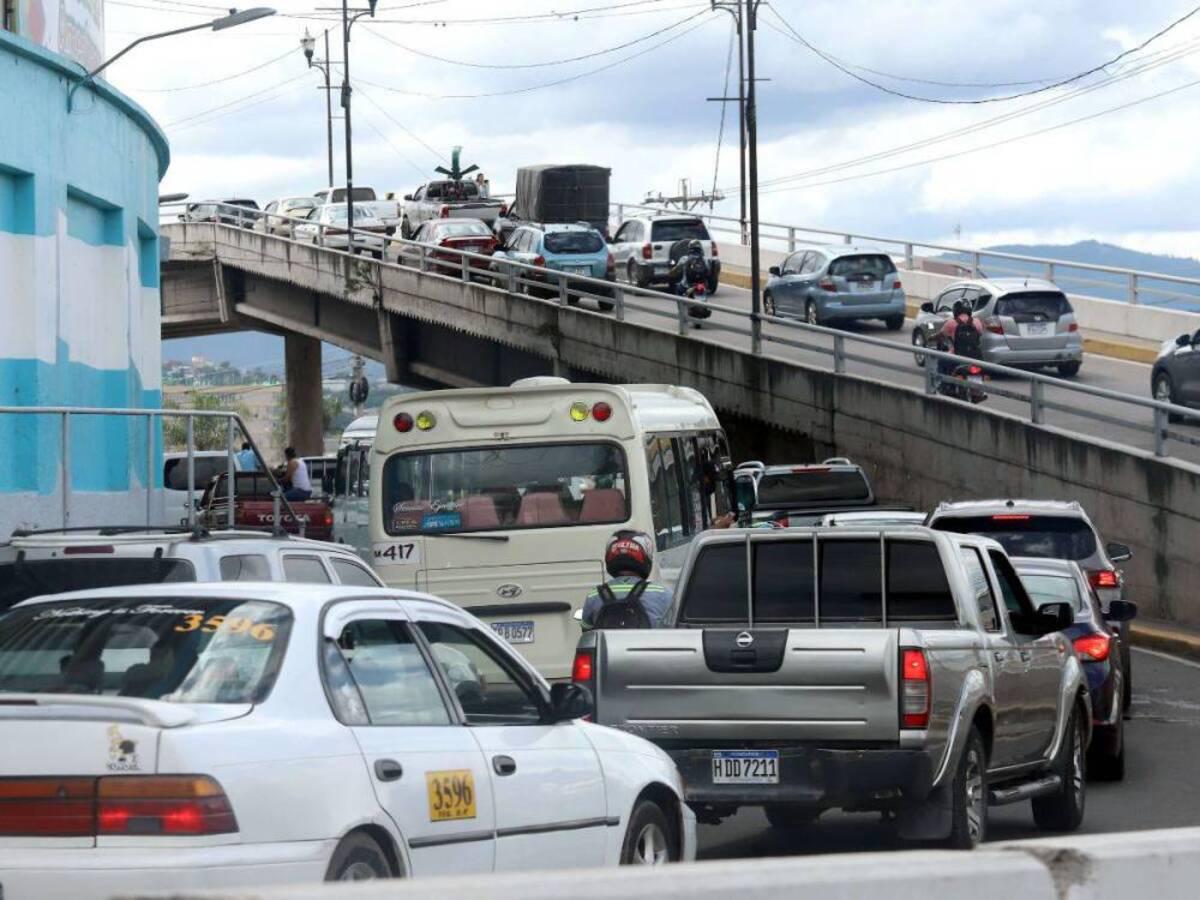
208,433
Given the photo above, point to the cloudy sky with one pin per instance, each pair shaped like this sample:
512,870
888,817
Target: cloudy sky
504,80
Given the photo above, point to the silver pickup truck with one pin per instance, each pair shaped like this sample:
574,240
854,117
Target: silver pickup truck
899,669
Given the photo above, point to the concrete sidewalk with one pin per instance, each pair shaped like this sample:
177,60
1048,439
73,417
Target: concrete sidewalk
1167,637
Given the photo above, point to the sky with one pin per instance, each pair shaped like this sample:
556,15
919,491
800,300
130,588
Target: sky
244,115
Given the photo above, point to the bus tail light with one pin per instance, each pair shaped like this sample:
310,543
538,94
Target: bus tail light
915,688
403,423
601,412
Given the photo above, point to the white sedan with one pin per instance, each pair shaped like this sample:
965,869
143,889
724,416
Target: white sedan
177,737
326,225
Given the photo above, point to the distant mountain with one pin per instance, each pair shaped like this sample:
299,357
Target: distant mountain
1100,284
254,349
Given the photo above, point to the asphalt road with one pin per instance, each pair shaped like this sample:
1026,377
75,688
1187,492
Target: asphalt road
1161,787
1081,414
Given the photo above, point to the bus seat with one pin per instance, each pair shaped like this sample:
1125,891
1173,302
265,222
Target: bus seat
602,505
479,512
541,509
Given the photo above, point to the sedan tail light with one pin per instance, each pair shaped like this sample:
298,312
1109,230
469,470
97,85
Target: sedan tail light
47,807
826,284
444,212
647,251
1093,647
916,688
715,251
994,325
162,805
1103,578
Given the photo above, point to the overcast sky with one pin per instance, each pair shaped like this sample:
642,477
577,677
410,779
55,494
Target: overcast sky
1126,176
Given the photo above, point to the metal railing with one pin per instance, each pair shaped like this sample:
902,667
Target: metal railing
566,289
233,423
1135,286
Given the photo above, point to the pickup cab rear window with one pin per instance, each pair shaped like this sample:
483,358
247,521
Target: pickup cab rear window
717,586
33,578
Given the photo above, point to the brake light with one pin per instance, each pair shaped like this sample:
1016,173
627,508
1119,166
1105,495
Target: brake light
327,519
914,688
1073,326
826,284
647,251
995,326
601,412
1093,647
896,285
1010,517
715,251
162,805
444,212
91,548
1103,578
974,370
403,422
540,262
503,210
583,670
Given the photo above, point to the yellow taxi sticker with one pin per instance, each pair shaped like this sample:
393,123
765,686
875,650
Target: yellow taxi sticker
451,795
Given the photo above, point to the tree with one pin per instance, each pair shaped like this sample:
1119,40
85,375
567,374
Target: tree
208,433
331,408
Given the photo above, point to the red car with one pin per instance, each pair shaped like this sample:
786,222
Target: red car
472,235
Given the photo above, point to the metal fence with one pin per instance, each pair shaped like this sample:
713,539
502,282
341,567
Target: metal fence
1112,283
233,423
1148,418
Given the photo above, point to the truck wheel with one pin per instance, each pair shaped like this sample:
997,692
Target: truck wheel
1064,811
968,796
788,817
650,840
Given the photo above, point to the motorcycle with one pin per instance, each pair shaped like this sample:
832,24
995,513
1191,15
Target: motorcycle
697,291
967,386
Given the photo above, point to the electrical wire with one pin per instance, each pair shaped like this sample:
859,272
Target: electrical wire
412,134
576,77
204,113
395,149
733,33
569,15
189,87
800,39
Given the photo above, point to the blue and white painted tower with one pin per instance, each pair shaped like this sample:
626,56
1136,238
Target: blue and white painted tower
79,299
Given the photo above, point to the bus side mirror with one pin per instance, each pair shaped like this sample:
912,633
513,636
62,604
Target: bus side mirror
745,496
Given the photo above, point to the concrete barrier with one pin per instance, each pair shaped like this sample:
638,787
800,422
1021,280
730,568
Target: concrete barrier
1162,864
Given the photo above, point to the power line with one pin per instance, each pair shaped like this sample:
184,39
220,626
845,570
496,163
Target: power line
560,81
800,39
1000,143
395,149
1154,61
608,10
412,134
236,101
724,93
189,87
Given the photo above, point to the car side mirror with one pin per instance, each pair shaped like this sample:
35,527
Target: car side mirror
774,270
408,196
1121,611
1052,617
745,497
1118,552
1184,340
569,701
927,307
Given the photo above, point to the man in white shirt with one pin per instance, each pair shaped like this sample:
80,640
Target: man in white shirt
295,477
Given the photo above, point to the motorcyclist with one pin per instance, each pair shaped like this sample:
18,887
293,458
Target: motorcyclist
962,335
629,599
689,269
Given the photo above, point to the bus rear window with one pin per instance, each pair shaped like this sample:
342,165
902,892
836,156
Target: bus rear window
505,488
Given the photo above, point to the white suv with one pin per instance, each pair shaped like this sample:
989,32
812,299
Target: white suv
642,246
54,562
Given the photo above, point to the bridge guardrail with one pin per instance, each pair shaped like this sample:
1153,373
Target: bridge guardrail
549,285
233,421
1161,289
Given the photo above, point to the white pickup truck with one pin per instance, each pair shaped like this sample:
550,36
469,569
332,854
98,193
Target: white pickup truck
387,211
897,669
447,199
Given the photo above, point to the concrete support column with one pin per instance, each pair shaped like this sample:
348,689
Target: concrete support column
302,357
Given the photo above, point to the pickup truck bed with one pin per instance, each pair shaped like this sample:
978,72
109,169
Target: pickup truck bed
254,507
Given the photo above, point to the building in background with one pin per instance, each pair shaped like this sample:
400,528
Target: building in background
79,299
261,406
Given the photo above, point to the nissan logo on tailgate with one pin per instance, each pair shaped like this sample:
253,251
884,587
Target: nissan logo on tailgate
508,591
745,639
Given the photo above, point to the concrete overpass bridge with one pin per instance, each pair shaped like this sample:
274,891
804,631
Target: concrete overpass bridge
803,393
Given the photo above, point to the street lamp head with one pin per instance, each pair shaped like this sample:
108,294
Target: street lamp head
236,18
307,43
372,4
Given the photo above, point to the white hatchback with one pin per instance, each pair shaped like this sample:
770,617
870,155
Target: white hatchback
181,737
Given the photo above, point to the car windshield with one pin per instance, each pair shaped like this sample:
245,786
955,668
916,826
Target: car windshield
573,242
463,229
678,230
876,265
292,205
359,193
338,213
1053,589
808,487
25,578
180,650
1045,537
492,488
1033,306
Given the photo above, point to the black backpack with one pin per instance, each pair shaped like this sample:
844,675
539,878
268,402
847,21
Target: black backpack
966,340
622,612
697,270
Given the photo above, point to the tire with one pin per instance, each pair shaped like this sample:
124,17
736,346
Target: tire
358,858
1069,369
572,301
406,231
1063,811
1164,391
712,284
894,323
787,817
769,304
634,273
1127,685
918,340
650,840
968,796
811,314
606,305
1106,762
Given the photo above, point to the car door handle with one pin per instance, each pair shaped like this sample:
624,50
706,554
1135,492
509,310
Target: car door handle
1026,655
388,770
504,765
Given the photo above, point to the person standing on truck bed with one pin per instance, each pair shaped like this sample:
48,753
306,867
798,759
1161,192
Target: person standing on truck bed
485,186
295,476
629,557
247,459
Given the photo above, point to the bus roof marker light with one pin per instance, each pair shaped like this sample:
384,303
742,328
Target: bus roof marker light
601,412
579,411
426,420
403,422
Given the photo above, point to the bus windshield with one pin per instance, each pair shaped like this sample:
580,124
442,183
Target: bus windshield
511,487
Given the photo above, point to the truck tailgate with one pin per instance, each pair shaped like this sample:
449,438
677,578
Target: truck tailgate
823,685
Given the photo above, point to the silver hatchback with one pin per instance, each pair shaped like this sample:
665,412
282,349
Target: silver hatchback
1027,322
826,285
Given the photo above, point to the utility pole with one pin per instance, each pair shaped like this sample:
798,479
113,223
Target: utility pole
358,393
734,8
307,43
684,199
752,140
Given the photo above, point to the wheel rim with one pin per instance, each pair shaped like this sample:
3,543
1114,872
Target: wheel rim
769,305
919,341
1162,390
973,791
811,314
650,848
1077,769
358,871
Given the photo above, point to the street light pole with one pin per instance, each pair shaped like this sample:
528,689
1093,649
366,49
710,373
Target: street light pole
734,8
752,140
347,21
307,43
